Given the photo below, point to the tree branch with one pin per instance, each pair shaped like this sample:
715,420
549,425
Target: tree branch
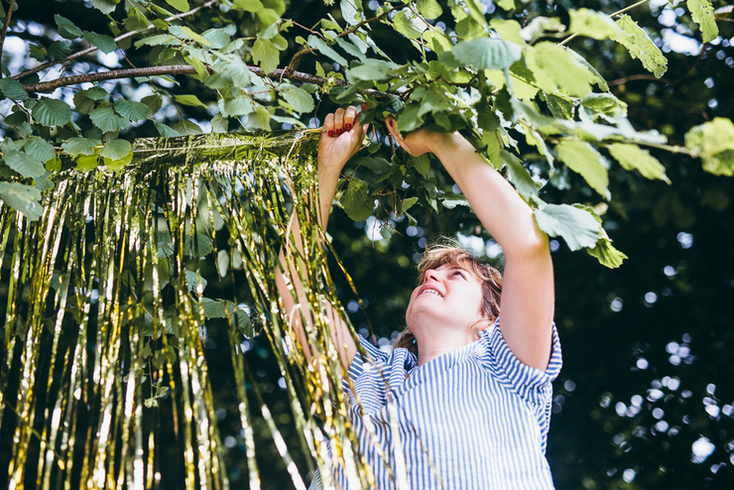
5,26
92,49
641,76
185,70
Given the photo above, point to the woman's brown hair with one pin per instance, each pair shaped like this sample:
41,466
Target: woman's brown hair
439,254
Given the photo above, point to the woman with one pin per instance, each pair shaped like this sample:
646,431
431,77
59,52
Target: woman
467,404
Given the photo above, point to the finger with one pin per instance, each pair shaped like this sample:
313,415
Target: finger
350,118
329,124
339,121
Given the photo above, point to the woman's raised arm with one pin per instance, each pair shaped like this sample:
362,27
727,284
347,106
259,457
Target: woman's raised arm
341,138
528,296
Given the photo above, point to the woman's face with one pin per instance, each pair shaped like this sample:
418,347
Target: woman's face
448,295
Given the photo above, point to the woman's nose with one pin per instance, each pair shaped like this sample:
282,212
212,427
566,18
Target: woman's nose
430,275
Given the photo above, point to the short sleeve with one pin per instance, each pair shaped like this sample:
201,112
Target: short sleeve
371,378
532,384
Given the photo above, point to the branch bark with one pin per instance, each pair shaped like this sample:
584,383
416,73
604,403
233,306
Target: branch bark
92,49
5,26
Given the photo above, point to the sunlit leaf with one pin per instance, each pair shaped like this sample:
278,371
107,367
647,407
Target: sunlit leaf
519,176
265,54
180,5
135,20
583,159
408,24
487,53
702,13
713,141
606,254
190,100
591,23
430,9
576,226
372,69
640,46
299,99
632,157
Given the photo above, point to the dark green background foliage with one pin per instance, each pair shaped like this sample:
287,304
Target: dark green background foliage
647,379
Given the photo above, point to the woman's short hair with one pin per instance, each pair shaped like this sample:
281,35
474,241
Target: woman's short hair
440,254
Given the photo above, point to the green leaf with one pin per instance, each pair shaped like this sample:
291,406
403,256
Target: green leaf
606,254
238,106
422,164
350,13
180,5
356,200
25,164
186,127
702,13
52,112
299,99
583,159
106,44
217,38
487,53
372,69
379,165
713,141
190,100
438,42
265,54
23,198
214,308
640,46
129,109
165,131
38,148
519,175
323,48
135,20
195,36
154,102
106,119
80,146
387,231
249,5
408,24
203,242
38,53
116,150
66,28
12,89
430,9
105,6
58,50
591,23
576,226
563,68
193,283
506,5
632,157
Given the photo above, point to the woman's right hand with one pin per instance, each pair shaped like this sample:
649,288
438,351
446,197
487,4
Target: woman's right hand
418,142
341,138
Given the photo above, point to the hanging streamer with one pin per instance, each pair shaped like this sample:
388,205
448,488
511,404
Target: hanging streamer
104,381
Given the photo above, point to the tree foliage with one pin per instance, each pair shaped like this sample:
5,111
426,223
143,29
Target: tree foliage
549,94
529,103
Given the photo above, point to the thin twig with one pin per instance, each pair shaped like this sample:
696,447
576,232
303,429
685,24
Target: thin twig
92,49
5,26
641,76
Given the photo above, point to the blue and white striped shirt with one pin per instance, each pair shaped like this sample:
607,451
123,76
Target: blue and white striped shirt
473,418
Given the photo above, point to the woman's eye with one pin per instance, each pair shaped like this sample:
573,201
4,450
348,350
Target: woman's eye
460,274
